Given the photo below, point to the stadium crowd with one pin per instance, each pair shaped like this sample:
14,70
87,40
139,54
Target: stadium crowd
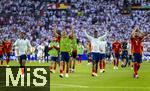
32,17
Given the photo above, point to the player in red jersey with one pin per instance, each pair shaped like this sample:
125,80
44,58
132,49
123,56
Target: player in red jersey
7,49
116,46
57,34
136,42
1,52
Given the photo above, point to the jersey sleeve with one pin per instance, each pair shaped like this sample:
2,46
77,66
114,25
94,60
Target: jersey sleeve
16,43
88,36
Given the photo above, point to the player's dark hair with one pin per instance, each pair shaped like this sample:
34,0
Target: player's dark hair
95,31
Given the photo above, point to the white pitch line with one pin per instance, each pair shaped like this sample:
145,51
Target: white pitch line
122,87
96,87
68,85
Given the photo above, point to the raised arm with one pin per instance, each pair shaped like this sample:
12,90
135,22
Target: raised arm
16,43
144,36
134,31
54,30
106,33
88,36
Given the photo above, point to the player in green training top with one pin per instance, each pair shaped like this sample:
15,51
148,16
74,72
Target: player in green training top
65,49
80,51
53,52
73,50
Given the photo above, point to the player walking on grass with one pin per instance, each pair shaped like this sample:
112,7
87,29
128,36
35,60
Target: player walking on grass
95,42
32,50
130,56
102,63
80,51
7,49
108,52
57,34
24,46
1,52
53,52
73,50
116,46
40,53
136,42
65,49
124,53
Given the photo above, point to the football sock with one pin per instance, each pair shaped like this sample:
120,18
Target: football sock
7,60
100,65
135,68
114,62
104,64
93,70
96,67
67,67
117,62
138,67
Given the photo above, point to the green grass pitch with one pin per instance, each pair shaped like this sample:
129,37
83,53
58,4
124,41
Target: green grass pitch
112,80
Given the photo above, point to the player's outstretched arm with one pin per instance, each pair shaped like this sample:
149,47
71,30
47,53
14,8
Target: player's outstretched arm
144,36
16,43
72,30
106,33
54,30
136,29
86,34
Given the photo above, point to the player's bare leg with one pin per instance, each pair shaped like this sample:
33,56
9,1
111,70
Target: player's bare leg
62,67
117,63
55,65
135,70
89,60
7,60
70,64
74,63
104,65
94,68
67,69
52,67
101,66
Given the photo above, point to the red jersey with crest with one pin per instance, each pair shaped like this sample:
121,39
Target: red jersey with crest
7,46
1,50
136,44
116,46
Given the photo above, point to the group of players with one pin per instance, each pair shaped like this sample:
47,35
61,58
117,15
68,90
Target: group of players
68,48
130,51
